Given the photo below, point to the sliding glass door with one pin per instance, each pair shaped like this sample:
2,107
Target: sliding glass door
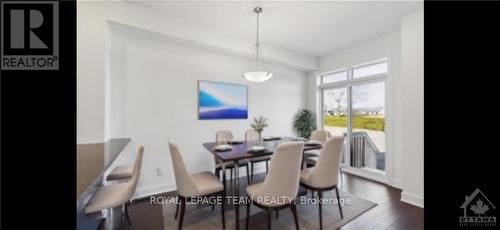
368,126
353,104
335,114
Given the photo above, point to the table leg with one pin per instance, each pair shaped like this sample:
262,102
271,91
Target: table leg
224,176
237,193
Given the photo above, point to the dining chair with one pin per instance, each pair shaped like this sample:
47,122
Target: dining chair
189,186
252,136
122,172
281,185
311,162
222,137
323,176
120,194
317,135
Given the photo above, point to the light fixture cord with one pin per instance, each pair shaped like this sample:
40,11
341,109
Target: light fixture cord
257,45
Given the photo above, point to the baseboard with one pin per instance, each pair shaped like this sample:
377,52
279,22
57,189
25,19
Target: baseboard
367,175
412,199
153,190
147,191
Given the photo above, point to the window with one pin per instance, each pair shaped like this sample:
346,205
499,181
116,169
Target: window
353,104
334,77
370,70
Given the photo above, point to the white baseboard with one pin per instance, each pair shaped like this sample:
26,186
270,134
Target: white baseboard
168,187
366,174
412,199
154,189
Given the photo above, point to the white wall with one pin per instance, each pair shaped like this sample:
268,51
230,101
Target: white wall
404,112
161,103
140,82
412,53
93,55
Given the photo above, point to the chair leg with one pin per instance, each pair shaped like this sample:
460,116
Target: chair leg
122,217
127,205
222,210
340,206
224,179
248,175
231,180
269,219
183,209
177,209
251,172
294,211
217,173
320,196
248,214
267,166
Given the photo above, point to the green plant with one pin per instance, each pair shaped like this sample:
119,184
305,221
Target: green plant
259,124
305,123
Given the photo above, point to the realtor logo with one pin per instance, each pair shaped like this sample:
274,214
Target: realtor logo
478,211
29,35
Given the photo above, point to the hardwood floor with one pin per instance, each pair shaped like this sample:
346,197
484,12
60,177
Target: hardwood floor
390,213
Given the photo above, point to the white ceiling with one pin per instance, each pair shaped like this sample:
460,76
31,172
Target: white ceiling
314,28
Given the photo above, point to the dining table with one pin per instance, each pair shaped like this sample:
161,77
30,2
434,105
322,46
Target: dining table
241,150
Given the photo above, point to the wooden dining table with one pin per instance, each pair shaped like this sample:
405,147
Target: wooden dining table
240,151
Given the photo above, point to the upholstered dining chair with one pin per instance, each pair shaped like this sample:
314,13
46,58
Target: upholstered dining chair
252,136
281,185
203,184
120,194
122,172
323,176
222,137
317,135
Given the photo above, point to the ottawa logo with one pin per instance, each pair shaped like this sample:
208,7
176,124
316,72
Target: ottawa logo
478,211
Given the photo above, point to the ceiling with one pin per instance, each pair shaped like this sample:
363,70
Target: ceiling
314,28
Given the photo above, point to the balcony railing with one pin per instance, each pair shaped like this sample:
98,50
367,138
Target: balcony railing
364,152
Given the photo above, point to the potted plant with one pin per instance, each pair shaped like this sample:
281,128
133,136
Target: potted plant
305,123
258,125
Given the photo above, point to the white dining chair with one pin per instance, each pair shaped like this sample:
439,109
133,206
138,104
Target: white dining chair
252,136
120,194
189,186
223,137
323,176
281,185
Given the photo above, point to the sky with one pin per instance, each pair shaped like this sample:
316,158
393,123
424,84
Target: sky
364,96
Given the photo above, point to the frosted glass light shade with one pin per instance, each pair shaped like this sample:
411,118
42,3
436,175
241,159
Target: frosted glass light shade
257,76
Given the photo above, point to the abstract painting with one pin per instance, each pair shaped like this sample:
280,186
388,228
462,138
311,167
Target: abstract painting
218,100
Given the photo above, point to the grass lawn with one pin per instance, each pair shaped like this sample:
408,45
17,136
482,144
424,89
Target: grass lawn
358,122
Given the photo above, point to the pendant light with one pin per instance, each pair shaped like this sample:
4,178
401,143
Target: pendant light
258,74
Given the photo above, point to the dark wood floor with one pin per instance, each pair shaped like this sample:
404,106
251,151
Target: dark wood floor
390,213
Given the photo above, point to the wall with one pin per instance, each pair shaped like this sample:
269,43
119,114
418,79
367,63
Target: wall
93,65
140,82
161,102
412,48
